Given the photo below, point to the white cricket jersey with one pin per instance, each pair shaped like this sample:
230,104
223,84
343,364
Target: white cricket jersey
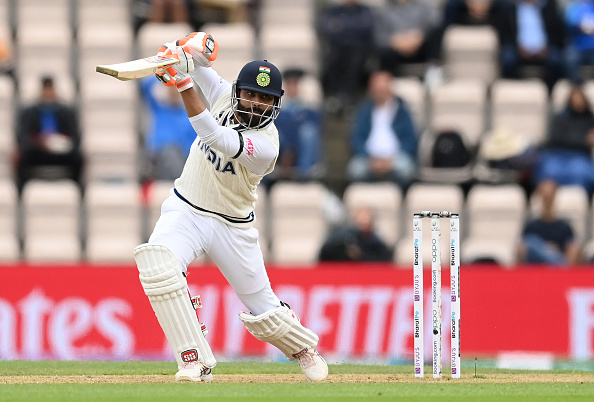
224,167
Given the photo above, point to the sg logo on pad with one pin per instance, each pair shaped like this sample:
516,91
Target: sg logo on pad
189,356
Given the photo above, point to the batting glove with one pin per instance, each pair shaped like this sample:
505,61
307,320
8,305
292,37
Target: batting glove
177,75
203,47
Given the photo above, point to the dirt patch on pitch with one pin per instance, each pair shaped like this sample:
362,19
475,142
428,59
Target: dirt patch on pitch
298,378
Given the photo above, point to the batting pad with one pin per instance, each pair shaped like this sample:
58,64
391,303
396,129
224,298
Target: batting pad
166,287
281,327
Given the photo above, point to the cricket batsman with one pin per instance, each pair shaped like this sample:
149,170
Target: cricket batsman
211,210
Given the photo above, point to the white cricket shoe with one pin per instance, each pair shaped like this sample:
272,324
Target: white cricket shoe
313,365
194,371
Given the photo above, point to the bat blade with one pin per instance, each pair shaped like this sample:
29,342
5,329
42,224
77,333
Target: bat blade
134,69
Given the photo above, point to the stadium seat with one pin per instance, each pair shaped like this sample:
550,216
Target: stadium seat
428,197
290,46
433,197
588,248
51,221
102,44
287,13
234,39
298,224
7,127
44,37
236,47
110,140
104,92
310,91
152,35
559,95
158,192
522,106
9,242
111,155
113,217
385,199
496,212
98,14
495,215
5,10
460,105
37,12
470,52
477,250
411,89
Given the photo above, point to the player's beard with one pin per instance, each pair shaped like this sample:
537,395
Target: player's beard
253,116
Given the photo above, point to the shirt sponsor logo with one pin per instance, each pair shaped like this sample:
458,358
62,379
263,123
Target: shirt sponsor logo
249,146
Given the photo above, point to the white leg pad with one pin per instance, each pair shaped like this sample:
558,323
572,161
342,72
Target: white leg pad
161,276
281,327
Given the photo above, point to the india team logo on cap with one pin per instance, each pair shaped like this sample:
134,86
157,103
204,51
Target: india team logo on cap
263,79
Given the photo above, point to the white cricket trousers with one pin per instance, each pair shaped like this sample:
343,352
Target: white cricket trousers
235,251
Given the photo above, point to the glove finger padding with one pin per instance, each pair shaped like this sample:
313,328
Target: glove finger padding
167,50
163,76
182,53
186,62
171,77
177,75
202,46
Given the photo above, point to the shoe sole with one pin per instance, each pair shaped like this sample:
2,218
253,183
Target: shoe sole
193,379
192,376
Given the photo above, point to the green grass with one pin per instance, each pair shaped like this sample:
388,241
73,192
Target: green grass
554,386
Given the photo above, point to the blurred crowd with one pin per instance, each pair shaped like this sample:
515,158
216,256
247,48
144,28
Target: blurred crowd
366,48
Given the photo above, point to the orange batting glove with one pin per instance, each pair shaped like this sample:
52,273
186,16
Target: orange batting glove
177,75
202,46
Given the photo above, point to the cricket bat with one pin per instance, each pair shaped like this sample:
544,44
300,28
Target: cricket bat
134,69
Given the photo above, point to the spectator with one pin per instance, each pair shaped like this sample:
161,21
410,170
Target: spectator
357,242
299,130
384,138
143,11
48,136
346,34
566,158
531,32
170,135
579,20
466,13
548,239
407,31
473,12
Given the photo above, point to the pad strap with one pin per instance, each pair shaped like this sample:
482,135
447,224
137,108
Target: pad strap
161,276
281,327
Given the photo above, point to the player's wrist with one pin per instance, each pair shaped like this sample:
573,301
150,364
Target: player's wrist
185,84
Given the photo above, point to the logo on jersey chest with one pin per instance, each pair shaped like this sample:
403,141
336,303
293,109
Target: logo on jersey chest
213,157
